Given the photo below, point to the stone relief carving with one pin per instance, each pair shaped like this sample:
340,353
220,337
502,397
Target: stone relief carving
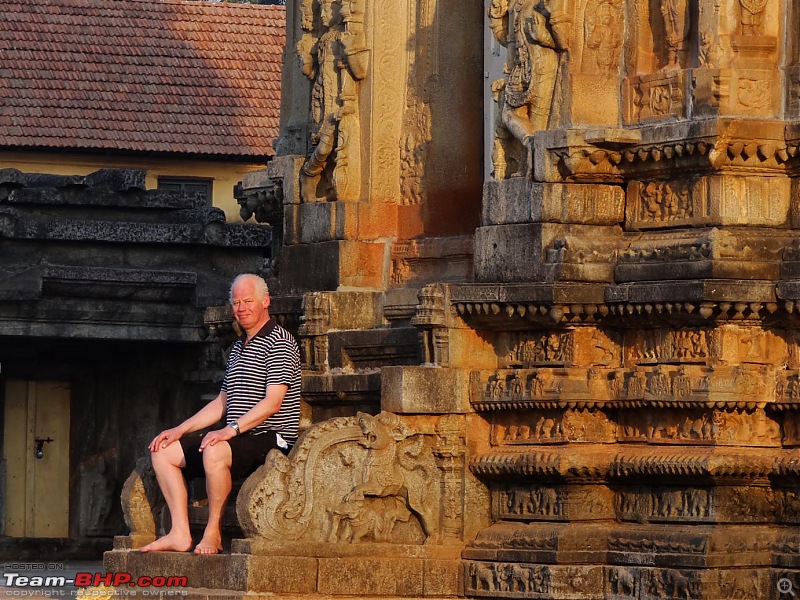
622,581
712,52
508,577
752,13
748,505
603,23
676,26
740,425
667,426
665,201
658,96
142,503
552,427
450,452
431,318
536,503
666,505
526,351
665,346
754,93
354,479
334,55
265,204
313,331
788,506
636,542
424,28
516,535
742,584
669,583
791,427
536,39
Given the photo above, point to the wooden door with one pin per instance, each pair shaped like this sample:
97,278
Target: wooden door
36,449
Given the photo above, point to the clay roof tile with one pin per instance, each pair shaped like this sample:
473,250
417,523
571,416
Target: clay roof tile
141,75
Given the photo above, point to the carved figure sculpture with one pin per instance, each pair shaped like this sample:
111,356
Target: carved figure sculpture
387,492
335,61
358,517
483,577
676,24
349,480
752,14
679,585
622,582
682,384
142,503
535,36
603,25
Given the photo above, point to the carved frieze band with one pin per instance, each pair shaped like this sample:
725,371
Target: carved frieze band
665,504
632,582
591,163
665,386
633,463
508,580
553,503
503,314
730,200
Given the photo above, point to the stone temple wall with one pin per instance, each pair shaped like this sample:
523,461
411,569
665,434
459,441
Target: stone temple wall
600,381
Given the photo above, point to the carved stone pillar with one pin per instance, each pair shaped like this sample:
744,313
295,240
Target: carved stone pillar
449,453
384,151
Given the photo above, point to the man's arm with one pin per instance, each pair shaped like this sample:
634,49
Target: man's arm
266,407
205,417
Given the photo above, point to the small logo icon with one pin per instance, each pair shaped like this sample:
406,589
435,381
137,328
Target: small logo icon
785,586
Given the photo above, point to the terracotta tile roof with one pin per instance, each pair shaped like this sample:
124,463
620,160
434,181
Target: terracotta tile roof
140,75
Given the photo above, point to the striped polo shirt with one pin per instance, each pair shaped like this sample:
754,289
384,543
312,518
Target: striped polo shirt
270,358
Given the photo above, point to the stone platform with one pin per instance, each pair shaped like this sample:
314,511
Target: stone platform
300,570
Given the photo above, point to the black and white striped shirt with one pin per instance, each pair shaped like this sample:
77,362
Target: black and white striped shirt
271,357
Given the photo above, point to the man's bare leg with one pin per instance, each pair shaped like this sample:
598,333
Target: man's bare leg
168,463
217,464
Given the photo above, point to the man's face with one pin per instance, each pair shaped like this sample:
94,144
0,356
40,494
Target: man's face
248,308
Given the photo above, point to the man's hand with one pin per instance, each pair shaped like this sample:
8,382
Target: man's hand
165,438
218,435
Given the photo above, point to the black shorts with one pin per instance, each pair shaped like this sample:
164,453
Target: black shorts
249,453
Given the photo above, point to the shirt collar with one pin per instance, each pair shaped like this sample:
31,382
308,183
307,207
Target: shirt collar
264,331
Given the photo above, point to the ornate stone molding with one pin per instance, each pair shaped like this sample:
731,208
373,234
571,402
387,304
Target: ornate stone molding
666,152
358,479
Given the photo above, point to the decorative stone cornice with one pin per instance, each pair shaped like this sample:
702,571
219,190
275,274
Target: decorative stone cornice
570,463
668,150
577,464
689,302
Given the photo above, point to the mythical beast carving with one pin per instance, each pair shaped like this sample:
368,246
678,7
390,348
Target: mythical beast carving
350,479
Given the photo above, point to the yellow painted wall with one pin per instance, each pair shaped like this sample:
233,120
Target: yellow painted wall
224,174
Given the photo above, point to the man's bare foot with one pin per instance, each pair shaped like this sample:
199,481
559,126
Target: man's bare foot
169,543
210,544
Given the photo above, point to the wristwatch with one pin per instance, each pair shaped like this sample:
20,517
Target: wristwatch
235,426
